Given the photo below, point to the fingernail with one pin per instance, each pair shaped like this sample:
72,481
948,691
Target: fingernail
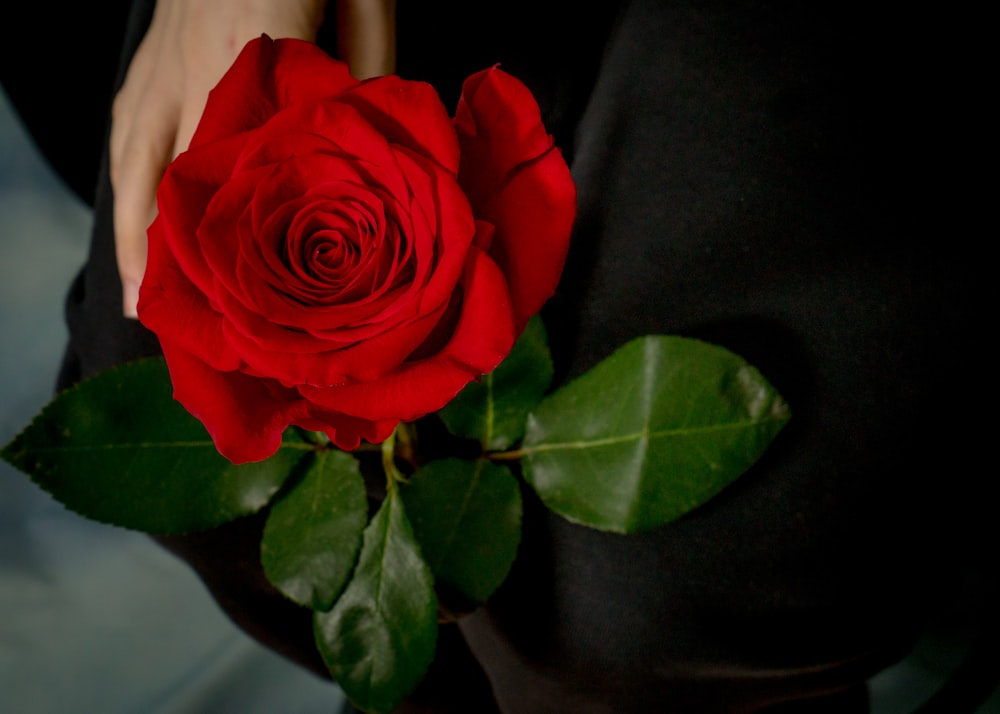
130,299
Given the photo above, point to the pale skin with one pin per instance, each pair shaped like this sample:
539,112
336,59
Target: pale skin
188,47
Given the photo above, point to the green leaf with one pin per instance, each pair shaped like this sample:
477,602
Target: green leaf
117,448
467,518
493,410
379,638
313,533
650,433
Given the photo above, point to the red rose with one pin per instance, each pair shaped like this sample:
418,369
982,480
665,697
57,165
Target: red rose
342,255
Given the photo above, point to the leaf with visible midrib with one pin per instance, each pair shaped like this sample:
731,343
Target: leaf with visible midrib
379,638
650,433
467,518
117,448
493,410
313,532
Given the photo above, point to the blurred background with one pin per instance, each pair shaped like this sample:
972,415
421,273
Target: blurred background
97,619
94,618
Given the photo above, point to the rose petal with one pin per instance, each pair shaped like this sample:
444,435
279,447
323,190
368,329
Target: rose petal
347,432
440,205
382,340
267,76
242,415
364,360
188,186
253,263
482,338
533,216
246,416
165,293
410,114
329,127
485,331
499,128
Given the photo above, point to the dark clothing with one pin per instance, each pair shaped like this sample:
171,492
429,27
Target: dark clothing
760,175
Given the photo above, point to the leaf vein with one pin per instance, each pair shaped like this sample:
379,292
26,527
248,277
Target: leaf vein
644,433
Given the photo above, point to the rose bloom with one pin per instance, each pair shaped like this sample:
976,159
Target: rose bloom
343,255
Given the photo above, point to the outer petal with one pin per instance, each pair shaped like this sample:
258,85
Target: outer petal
347,432
182,198
408,113
483,336
499,128
366,360
533,216
243,416
266,76
165,293
246,416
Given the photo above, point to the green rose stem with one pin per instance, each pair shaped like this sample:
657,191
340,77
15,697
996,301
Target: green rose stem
512,455
392,473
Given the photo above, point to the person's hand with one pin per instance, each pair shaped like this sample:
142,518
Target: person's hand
188,47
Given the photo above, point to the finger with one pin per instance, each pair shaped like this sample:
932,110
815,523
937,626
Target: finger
366,36
145,155
193,109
